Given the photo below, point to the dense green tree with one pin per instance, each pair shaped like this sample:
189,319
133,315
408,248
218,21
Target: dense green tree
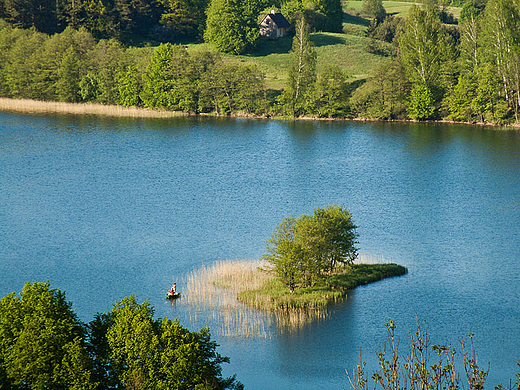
229,88
231,25
422,45
374,9
461,108
184,18
337,231
39,14
320,15
41,341
332,93
23,66
501,46
106,62
172,80
302,73
130,87
421,104
285,253
382,96
301,249
160,354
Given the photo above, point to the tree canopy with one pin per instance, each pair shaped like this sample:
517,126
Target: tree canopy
43,345
301,249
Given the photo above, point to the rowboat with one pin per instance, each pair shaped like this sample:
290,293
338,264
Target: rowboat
175,295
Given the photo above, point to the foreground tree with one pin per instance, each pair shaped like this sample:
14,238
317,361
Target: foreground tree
41,341
142,352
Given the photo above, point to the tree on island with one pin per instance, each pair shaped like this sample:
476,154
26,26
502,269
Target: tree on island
302,249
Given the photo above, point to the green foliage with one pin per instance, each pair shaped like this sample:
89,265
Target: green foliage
41,340
328,288
422,45
231,25
501,46
300,250
420,102
130,86
386,30
374,9
227,88
332,93
302,73
383,96
42,347
184,18
160,354
320,15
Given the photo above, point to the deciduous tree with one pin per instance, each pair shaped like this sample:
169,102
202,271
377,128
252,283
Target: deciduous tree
41,341
302,73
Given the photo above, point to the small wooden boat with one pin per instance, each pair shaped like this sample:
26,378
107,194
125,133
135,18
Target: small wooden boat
175,295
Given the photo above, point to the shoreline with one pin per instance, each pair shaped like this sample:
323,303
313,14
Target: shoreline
30,106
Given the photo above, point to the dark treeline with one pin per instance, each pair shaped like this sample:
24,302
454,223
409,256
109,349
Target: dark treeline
468,71
164,20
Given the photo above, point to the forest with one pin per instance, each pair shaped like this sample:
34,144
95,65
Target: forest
431,65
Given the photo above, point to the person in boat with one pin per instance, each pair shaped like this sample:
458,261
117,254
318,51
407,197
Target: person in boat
173,290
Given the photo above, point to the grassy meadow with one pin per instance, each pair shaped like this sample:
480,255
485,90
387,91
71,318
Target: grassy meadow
346,50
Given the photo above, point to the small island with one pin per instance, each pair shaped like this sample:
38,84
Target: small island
309,264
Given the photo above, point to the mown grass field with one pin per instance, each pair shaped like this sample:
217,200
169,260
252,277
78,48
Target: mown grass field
273,58
399,8
346,50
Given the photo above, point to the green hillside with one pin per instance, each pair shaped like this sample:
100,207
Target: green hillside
347,50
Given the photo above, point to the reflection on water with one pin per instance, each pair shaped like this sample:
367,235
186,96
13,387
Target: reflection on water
210,296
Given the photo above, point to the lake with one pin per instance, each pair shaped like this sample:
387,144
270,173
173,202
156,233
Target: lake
104,208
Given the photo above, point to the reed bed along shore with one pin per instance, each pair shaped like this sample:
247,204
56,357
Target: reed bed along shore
211,291
41,107
245,298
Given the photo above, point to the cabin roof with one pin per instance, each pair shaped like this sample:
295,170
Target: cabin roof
279,19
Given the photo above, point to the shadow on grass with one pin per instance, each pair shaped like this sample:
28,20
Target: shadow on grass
273,46
353,19
326,40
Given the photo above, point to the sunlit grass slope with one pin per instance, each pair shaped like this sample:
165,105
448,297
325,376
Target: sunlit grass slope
344,50
399,8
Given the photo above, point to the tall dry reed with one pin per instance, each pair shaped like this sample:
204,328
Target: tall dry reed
211,293
41,107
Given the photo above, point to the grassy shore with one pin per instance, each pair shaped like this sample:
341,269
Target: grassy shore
274,295
256,285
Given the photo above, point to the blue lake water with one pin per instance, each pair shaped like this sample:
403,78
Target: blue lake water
104,208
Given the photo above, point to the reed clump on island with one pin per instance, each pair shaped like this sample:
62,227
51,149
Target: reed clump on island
254,283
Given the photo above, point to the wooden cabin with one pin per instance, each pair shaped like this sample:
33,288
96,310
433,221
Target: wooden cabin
274,25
